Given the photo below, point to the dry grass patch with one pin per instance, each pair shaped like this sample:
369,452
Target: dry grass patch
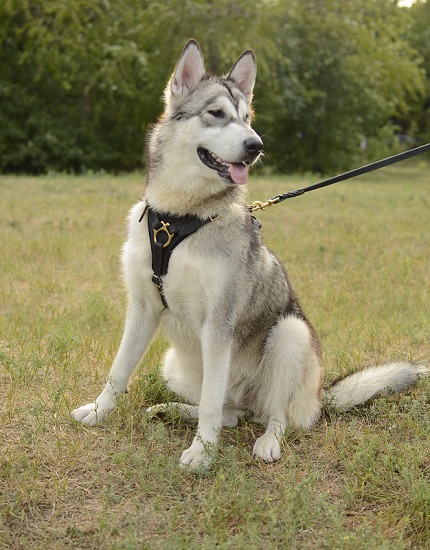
358,255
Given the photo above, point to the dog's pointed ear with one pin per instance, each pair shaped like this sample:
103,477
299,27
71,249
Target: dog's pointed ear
189,70
244,72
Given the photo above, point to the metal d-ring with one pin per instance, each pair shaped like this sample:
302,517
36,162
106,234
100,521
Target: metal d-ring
164,227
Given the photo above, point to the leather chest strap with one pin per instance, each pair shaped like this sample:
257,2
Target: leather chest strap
165,233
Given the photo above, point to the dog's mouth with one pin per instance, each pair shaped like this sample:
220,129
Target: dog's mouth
232,172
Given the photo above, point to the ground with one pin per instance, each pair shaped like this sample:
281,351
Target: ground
358,255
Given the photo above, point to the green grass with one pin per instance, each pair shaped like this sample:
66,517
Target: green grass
358,254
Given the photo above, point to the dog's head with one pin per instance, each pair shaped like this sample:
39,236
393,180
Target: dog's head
215,115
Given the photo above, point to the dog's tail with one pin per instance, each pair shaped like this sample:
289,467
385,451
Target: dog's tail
357,388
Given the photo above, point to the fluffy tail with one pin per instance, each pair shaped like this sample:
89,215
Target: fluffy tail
359,387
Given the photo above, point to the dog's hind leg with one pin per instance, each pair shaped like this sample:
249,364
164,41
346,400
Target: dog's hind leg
183,411
183,373
190,413
290,384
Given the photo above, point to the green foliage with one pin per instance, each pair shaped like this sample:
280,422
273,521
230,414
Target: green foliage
71,78
419,37
344,72
80,81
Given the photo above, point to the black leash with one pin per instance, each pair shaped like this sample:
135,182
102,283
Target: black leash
258,205
167,231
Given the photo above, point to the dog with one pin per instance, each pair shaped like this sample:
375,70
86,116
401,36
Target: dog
241,344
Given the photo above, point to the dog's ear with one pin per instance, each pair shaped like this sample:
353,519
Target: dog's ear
244,72
189,70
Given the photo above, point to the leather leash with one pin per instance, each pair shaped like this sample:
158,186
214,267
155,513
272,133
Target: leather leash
258,205
167,231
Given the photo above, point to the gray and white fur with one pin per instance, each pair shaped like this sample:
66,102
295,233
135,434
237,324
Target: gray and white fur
240,342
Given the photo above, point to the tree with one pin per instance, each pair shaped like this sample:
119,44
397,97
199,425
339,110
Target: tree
81,81
69,79
418,123
344,73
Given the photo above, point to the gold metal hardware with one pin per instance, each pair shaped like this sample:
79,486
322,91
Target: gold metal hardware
169,235
215,218
258,205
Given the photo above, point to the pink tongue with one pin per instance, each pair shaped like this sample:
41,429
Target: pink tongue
238,173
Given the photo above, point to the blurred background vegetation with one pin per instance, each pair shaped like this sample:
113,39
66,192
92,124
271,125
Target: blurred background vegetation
340,81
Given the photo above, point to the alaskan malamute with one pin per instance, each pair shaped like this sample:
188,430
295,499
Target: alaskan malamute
195,263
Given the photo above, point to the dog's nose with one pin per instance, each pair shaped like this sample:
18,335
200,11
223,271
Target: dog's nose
253,145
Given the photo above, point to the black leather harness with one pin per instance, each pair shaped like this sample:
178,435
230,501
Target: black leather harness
166,231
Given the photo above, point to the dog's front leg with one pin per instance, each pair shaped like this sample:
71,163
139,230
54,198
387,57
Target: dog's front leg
140,327
216,348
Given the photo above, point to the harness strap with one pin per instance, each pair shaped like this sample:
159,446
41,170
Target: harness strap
166,231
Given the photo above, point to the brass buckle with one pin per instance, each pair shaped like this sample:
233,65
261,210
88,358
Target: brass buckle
164,227
258,205
157,281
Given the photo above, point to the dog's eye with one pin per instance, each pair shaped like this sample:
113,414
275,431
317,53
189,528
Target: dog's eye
217,113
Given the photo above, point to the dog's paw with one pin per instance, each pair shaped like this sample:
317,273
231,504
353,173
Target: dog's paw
174,411
267,447
159,410
195,457
91,414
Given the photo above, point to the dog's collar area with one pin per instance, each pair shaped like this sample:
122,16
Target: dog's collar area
166,231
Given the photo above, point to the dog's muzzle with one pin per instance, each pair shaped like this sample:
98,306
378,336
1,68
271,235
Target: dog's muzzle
233,172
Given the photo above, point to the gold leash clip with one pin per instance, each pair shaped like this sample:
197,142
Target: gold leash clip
258,205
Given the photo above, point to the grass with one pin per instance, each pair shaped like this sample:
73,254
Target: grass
358,254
